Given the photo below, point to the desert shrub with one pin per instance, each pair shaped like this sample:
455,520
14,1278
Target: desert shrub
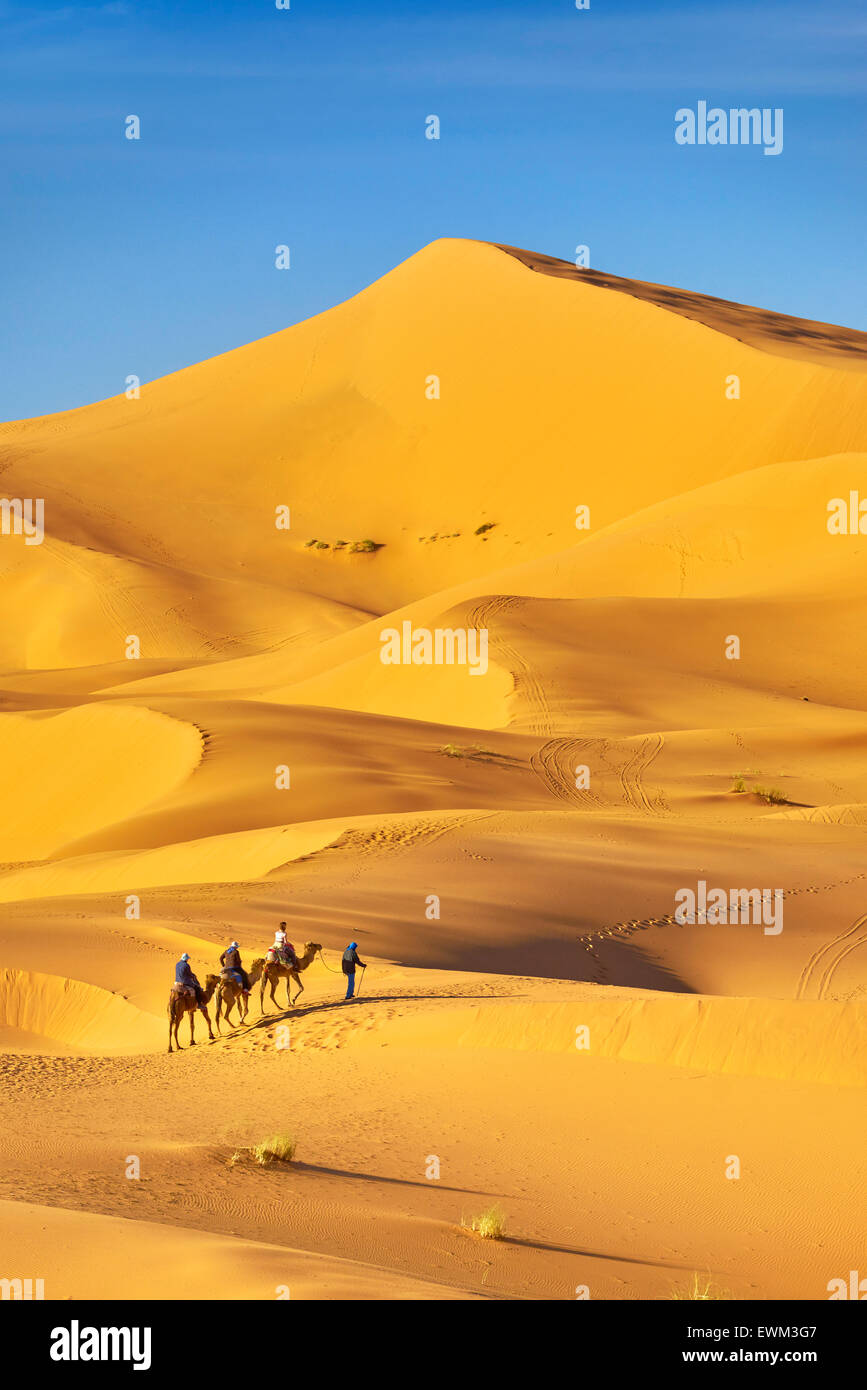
701,1288
772,795
280,1148
453,750
490,1224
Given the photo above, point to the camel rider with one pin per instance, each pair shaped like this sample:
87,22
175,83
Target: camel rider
350,963
184,976
285,950
231,960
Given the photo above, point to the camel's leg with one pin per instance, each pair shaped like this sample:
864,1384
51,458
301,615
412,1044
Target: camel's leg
208,1021
192,1028
171,1021
219,1010
262,991
297,980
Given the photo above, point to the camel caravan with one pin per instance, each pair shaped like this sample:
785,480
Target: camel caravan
233,985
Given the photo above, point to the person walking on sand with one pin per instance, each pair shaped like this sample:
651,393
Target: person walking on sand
350,963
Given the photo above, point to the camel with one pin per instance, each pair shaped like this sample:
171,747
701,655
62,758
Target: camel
275,971
229,993
180,1004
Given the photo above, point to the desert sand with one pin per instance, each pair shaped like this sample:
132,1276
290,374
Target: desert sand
536,1030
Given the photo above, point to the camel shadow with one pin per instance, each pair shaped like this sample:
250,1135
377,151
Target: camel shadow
296,1012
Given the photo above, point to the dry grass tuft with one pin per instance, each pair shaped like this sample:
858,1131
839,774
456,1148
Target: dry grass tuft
701,1289
490,1224
279,1148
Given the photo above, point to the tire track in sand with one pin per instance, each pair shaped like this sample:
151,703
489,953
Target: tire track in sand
632,774
829,957
526,678
554,765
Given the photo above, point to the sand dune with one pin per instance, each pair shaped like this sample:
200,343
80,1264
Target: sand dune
187,1264
46,758
732,1037
614,1179
779,333
726,547
507,848
249,854
352,382
71,605
80,1017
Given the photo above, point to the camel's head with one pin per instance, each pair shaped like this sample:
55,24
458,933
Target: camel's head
312,948
212,981
258,964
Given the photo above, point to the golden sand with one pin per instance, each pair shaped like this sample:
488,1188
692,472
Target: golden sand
553,1038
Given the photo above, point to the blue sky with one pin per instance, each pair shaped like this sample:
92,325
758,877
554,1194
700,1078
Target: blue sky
306,127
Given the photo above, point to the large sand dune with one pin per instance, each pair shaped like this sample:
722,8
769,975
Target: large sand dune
611,754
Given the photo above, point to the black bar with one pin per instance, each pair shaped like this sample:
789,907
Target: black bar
191,1338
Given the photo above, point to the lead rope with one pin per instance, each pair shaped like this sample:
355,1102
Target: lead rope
325,963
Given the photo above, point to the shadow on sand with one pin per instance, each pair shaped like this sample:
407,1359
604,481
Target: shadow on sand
284,1015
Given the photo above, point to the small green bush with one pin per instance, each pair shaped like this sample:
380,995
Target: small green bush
772,795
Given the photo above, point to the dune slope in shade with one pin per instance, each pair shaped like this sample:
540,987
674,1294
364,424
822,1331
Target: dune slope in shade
122,757
75,1016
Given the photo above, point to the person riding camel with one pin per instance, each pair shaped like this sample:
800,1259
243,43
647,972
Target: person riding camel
284,949
184,977
231,960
